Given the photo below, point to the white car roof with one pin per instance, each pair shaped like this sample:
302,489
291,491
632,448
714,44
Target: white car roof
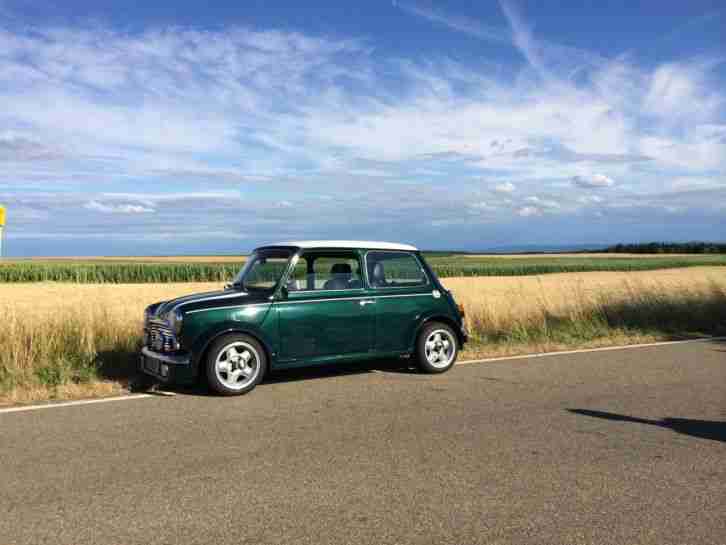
365,244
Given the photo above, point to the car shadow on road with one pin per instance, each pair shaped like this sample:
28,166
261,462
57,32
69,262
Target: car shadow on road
705,429
338,370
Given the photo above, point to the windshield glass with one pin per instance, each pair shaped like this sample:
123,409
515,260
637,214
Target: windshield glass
263,270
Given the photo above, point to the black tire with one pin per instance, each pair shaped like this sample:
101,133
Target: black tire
221,381
448,349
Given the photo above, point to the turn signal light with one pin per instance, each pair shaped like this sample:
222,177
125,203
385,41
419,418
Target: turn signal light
461,309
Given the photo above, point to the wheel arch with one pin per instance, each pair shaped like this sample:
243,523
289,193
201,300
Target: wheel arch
443,318
204,346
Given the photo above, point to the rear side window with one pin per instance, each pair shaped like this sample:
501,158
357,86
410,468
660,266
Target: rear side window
394,270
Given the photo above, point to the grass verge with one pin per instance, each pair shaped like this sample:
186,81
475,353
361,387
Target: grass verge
644,315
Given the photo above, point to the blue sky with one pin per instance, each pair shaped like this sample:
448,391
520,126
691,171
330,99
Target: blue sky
164,128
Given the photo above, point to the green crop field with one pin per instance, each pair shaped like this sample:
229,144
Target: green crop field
452,266
162,270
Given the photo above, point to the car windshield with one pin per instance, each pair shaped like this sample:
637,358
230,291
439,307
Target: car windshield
263,270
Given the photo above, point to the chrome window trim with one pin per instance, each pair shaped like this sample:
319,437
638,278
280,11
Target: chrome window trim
412,254
325,291
369,296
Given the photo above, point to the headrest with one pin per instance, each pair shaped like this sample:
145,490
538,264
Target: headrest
341,268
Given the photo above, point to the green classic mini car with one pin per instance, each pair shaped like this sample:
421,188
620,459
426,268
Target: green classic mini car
306,303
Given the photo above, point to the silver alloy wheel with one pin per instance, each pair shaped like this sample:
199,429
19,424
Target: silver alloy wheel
440,348
237,365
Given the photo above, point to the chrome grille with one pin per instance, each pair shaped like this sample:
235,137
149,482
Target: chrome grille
159,337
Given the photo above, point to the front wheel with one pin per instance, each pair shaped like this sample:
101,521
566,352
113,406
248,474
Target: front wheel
436,348
235,364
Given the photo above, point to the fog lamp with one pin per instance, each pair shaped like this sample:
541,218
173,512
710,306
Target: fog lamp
164,370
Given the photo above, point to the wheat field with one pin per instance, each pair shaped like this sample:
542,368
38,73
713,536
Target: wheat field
62,340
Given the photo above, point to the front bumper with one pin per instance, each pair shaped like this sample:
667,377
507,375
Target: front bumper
176,367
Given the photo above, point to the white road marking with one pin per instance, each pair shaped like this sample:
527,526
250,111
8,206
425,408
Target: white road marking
586,350
165,393
73,403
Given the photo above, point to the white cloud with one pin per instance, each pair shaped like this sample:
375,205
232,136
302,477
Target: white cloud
542,203
97,206
527,211
590,199
678,91
480,207
506,188
592,181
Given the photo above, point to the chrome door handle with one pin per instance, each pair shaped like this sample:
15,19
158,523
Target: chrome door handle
365,302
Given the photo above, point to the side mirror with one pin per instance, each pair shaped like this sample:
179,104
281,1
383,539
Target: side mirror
284,292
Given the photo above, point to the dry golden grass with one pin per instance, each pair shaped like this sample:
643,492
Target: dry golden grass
124,300
56,336
514,297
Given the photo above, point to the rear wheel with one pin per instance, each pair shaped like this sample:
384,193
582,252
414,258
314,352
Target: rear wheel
235,364
436,348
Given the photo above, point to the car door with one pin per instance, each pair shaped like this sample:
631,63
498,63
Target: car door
402,291
326,312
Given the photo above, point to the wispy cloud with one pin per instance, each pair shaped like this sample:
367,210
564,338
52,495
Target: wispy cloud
593,181
456,22
506,187
97,206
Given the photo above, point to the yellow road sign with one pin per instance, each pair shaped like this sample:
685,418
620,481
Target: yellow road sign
2,215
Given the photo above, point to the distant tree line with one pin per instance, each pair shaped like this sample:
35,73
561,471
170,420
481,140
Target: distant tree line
695,247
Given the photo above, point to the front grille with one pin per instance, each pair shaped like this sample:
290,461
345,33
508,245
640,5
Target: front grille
159,337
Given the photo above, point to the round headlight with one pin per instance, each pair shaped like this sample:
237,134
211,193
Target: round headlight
175,319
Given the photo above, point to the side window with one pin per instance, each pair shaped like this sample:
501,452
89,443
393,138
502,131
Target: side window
326,271
298,280
394,269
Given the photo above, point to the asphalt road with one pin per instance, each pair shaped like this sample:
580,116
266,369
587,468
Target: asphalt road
624,446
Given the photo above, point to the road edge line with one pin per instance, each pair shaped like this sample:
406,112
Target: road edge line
52,405
586,350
